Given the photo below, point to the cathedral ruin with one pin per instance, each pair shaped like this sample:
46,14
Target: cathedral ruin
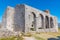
24,18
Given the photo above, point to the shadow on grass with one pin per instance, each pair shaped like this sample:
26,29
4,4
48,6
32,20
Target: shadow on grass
58,38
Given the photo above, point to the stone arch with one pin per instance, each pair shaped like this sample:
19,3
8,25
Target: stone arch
46,21
34,16
33,25
41,21
51,22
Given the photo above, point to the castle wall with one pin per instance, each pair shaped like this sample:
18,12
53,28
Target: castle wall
19,18
9,18
24,18
39,26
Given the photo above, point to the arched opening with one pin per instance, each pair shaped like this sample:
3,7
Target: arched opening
46,22
41,22
33,26
51,22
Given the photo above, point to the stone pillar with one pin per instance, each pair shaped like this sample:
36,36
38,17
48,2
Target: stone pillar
55,24
36,23
49,24
44,24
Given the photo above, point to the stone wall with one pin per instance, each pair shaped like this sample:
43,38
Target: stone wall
19,18
44,26
24,18
9,19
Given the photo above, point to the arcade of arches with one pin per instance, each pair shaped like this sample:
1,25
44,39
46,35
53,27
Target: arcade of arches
48,20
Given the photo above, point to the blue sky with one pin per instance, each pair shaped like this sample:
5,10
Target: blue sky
52,5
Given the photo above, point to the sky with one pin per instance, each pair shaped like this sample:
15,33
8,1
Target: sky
52,5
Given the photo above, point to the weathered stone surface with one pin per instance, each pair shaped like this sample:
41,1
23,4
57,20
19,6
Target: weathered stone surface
6,33
24,18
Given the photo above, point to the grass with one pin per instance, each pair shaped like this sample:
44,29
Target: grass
28,35
46,35
38,38
12,38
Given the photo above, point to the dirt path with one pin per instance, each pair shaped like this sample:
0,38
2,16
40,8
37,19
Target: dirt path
29,38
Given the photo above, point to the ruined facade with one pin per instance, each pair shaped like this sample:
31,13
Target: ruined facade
24,18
